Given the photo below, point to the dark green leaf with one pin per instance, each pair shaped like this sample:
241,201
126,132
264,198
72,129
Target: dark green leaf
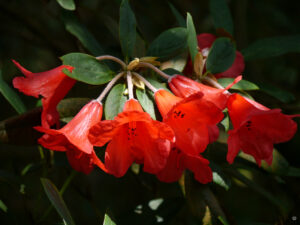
108,221
281,95
67,4
191,36
82,33
270,47
87,69
179,18
221,56
221,15
169,43
241,85
11,96
146,102
114,102
127,29
293,172
57,201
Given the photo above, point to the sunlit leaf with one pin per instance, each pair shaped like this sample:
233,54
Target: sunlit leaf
115,101
241,85
191,37
3,206
87,69
11,96
67,4
57,201
221,56
108,221
127,29
146,102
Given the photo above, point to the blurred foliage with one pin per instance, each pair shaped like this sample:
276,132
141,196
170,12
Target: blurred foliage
37,32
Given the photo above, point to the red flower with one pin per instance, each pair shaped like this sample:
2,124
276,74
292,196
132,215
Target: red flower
179,161
256,129
184,87
193,119
73,139
133,136
205,41
52,85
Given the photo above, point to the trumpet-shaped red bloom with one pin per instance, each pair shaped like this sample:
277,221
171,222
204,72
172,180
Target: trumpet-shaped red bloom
179,161
193,120
184,87
256,128
205,41
133,137
52,85
72,138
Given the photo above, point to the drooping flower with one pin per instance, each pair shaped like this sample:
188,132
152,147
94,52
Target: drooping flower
184,87
179,161
73,138
193,119
133,137
205,41
256,129
52,85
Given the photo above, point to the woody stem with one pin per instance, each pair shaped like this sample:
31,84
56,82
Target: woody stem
214,84
148,65
130,85
109,57
147,83
109,86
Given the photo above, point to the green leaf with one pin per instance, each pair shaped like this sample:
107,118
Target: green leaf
82,33
241,85
271,47
220,181
169,43
293,172
146,102
221,56
219,177
179,18
108,221
127,29
3,206
221,15
87,69
281,95
57,201
67,4
115,101
11,96
191,36
222,220
226,122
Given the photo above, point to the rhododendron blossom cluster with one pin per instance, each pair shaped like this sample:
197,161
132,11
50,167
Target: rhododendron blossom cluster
191,113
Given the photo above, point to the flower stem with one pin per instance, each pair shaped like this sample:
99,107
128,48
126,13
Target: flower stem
148,65
214,83
147,83
130,85
109,57
109,86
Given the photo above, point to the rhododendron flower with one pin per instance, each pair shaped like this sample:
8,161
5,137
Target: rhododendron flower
256,128
52,85
179,161
72,138
205,41
184,87
193,119
133,137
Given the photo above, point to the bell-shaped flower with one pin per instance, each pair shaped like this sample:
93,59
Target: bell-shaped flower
73,138
133,137
52,85
193,119
256,129
184,87
179,161
205,41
